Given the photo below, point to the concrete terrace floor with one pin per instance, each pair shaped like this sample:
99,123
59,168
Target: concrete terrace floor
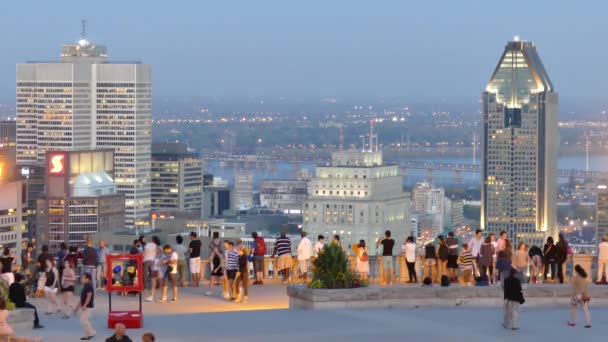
201,317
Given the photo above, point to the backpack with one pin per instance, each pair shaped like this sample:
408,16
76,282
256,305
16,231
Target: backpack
364,257
445,281
444,251
260,247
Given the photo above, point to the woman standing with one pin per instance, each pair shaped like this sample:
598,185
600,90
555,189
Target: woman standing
536,255
68,279
550,261
580,296
7,261
442,258
362,260
486,260
156,269
50,286
520,261
409,248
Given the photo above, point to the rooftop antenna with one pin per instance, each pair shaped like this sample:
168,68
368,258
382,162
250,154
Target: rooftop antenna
83,30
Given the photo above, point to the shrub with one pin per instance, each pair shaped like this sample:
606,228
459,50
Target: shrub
330,270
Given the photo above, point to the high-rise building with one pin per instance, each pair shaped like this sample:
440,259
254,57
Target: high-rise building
80,198
453,213
8,148
243,189
519,147
357,197
13,215
429,202
83,101
601,212
287,196
217,197
177,179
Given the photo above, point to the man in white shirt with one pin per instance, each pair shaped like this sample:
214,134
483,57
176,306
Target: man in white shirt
149,254
169,270
182,253
602,260
319,245
304,251
475,247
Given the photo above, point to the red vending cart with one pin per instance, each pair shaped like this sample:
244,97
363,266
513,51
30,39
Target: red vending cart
124,273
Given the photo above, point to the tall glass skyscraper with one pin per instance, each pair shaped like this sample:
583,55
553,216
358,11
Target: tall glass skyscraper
519,147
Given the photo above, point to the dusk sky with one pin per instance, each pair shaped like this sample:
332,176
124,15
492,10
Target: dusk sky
317,47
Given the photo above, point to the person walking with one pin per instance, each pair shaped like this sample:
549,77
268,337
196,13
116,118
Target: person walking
409,249
550,261
102,252
452,265
580,296
562,250
60,257
7,260
242,277
68,280
50,286
602,261
89,261
475,248
182,253
17,295
304,252
361,259
157,276
467,265
513,299
194,252
282,248
536,255
387,258
87,303
258,252
430,262
148,255
486,260
169,273
443,252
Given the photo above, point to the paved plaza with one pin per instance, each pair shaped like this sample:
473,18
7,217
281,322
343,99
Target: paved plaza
199,317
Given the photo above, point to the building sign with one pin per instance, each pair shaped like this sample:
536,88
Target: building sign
57,164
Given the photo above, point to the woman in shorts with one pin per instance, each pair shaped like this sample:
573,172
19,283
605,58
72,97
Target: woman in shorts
50,286
68,279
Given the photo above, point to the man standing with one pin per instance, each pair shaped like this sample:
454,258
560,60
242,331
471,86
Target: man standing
452,257
282,248
27,260
602,260
475,248
87,297
258,251
194,250
304,250
89,261
102,252
500,243
319,245
148,254
182,252
387,257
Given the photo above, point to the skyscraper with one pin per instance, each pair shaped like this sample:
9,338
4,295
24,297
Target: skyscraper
85,102
519,147
601,211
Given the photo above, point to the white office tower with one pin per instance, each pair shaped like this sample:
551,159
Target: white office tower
243,189
519,147
429,202
357,197
85,102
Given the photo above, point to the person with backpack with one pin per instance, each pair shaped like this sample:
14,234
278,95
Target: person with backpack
513,299
452,243
442,261
430,262
562,251
362,259
258,252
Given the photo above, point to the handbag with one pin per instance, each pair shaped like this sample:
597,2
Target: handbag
585,298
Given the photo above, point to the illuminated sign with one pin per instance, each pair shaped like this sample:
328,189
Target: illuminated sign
56,163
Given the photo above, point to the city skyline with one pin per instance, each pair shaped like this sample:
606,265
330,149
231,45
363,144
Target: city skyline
317,49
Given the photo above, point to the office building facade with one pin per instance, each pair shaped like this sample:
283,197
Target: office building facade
84,101
519,147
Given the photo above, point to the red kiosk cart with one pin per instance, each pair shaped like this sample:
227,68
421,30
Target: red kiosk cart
124,273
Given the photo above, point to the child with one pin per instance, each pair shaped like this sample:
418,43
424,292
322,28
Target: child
513,299
466,265
580,296
242,278
232,268
216,271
